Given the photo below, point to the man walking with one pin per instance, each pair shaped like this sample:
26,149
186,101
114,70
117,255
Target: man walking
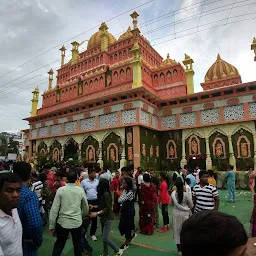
28,209
90,187
231,184
69,206
10,225
205,196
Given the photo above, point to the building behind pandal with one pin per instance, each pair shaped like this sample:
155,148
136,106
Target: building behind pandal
119,102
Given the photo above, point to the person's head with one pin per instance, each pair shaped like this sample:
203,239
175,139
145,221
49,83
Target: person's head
117,174
58,176
162,177
23,169
188,181
146,178
92,173
10,186
129,171
34,176
189,170
197,167
123,170
213,233
203,176
47,168
211,173
140,170
152,174
71,176
103,187
127,184
231,167
42,177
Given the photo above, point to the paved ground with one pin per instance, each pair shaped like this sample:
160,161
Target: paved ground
157,244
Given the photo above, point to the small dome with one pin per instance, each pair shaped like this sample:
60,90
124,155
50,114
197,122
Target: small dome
168,61
219,70
126,34
95,40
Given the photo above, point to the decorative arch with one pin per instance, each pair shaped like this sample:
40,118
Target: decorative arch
42,148
122,76
193,133
219,148
89,149
243,148
194,145
112,153
162,78
168,76
214,130
128,73
115,76
241,127
116,132
90,154
171,149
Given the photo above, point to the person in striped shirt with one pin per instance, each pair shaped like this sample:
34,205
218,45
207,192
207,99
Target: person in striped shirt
205,196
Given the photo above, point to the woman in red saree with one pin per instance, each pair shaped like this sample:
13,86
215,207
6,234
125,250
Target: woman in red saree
147,203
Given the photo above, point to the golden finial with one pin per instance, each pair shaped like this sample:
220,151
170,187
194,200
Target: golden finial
187,57
168,56
218,57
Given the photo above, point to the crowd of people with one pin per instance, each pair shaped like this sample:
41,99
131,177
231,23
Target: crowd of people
71,199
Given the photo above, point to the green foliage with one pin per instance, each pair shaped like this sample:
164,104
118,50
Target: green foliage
3,145
13,146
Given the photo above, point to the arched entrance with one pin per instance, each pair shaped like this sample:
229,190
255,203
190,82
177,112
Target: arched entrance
90,149
55,151
71,149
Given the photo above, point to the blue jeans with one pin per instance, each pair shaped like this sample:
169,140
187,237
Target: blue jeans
84,243
232,193
106,228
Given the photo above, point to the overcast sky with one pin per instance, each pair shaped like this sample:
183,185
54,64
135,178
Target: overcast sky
30,28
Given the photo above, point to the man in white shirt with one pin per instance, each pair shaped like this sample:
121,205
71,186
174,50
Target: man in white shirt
10,225
90,187
197,171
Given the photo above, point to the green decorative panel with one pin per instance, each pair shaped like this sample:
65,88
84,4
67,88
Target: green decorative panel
71,150
129,144
242,142
111,148
150,149
170,150
219,149
42,148
90,150
80,88
55,151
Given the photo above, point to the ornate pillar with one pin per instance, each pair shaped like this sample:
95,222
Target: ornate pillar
123,160
136,146
254,143
183,160
100,161
80,151
208,155
62,151
30,149
232,160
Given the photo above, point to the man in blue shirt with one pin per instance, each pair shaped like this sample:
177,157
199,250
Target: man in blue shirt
28,209
90,187
191,177
231,184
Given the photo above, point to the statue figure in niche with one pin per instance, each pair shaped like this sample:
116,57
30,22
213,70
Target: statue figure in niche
122,75
218,150
43,152
128,74
108,80
171,152
194,147
130,153
175,74
115,76
56,155
243,147
57,97
96,83
157,151
169,77
155,79
80,91
171,149
112,154
244,150
143,151
101,81
162,79
151,151
129,138
91,154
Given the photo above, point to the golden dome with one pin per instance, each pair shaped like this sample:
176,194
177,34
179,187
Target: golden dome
95,40
168,61
219,70
126,34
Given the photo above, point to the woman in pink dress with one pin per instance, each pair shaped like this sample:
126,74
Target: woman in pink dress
252,176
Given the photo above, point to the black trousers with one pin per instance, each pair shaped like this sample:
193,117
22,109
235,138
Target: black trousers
165,214
62,236
93,220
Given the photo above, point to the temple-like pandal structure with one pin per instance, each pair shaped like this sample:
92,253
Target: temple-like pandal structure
119,101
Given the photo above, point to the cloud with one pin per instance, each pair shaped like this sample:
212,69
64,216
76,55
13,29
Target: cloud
30,27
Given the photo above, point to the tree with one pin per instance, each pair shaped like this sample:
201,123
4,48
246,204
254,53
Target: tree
3,145
13,146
